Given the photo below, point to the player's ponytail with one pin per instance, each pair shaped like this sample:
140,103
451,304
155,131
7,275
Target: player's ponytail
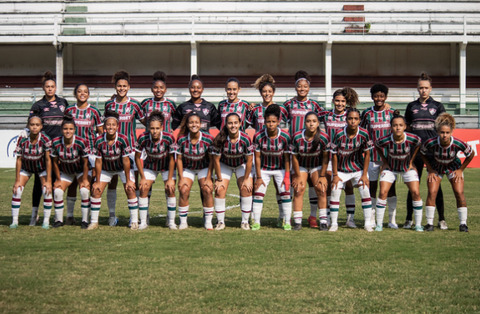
68,119
48,76
159,76
264,80
35,114
302,75
194,78
350,95
445,119
425,77
397,115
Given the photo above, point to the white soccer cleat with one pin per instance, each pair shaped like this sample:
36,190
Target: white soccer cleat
333,228
245,226
208,226
220,226
183,225
392,225
172,226
92,226
351,224
142,226
134,226
368,228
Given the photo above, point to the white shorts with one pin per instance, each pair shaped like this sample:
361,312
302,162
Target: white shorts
239,171
354,177
374,170
391,176
310,170
278,176
69,177
91,160
450,176
106,176
133,165
329,168
29,174
202,173
152,175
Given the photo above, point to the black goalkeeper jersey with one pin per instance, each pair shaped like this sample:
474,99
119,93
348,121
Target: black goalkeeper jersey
52,114
207,111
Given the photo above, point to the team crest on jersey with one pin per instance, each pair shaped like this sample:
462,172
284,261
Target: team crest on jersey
205,111
127,110
201,150
264,145
162,149
75,153
87,116
432,111
452,154
407,149
387,117
240,149
165,108
280,146
62,108
40,149
117,150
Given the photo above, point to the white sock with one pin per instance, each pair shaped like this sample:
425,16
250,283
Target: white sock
287,207
70,205
85,206
430,214
171,209
350,204
143,209
183,213
381,204
297,217
418,212
16,202
95,204
366,204
133,208
246,207
208,211
258,203
111,201
374,207
34,212
392,209
220,209
323,215
462,215
58,204
334,206
47,208
279,204
312,195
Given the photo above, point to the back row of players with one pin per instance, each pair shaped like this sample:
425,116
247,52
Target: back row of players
352,152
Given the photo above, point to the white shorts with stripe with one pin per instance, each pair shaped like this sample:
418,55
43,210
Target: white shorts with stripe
239,171
391,176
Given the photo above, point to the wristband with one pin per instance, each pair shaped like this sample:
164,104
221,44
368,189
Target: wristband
287,175
218,180
322,176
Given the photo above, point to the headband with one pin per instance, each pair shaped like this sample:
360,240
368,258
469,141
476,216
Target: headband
111,117
302,78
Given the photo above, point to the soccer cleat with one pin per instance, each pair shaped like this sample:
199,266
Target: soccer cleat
463,228
442,225
351,224
245,226
297,227
429,228
183,225
70,221
368,228
112,221
208,226
129,223
280,222
57,224
172,226
46,226
379,228
15,226
84,225
287,227
220,226
93,226
329,221
333,228
33,221
312,221
323,227
419,228
256,226
142,226
134,226
392,225
408,224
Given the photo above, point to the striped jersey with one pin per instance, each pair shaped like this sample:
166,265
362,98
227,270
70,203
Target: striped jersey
112,155
194,156
167,107
272,149
234,154
377,124
333,122
399,154
297,111
129,111
86,122
70,158
445,159
301,147
350,151
158,153
256,116
240,108
33,155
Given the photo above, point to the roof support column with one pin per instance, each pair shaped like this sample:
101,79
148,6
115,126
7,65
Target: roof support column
59,68
193,57
463,76
328,74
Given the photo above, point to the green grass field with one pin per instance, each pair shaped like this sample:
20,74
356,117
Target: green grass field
116,270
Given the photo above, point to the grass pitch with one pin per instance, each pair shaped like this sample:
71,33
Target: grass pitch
116,270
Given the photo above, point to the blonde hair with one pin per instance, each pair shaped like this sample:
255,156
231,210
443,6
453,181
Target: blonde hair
445,119
264,80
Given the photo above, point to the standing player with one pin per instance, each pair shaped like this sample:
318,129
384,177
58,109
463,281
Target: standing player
396,150
159,148
350,165
33,156
233,103
297,108
112,150
128,110
309,150
232,152
70,155
376,120
193,160
272,160
88,124
445,148
420,116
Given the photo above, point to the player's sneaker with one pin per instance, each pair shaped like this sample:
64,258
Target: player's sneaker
463,228
134,226
183,225
220,226
15,226
92,226
256,226
408,224
46,226
112,221
392,225
333,228
442,225
287,227
312,221
57,224
280,222
323,227
297,227
142,226
429,228
419,228
208,226
245,226
84,225
379,228
368,228
351,224
70,221
172,226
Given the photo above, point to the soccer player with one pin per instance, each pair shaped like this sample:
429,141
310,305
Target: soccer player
232,152
297,108
420,116
445,148
272,160
350,165
112,150
193,159
128,110
207,111
88,124
309,149
376,120
70,155
335,122
33,156
398,151
159,147
233,103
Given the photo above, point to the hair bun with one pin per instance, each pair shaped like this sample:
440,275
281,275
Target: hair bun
160,76
302,74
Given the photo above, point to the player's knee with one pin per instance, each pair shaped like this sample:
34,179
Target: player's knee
58,194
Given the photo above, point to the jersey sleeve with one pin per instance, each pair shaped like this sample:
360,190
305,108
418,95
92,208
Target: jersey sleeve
215,150
368,143
177,117
382,142
409,114
215,117
126,149
426,147
140,143
53,152
248,149
325,142
284,113
138,112
465,148
364,122
85,149
18,148
97,117
333,145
